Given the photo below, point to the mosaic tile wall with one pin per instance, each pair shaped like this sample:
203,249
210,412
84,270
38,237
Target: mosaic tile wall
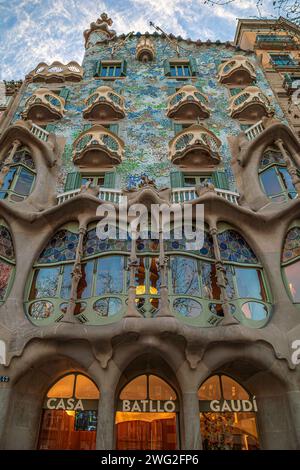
146,130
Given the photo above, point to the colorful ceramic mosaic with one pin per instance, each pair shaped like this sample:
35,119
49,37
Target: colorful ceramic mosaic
146,130
62,247
6,243
234,248
94,245
291,249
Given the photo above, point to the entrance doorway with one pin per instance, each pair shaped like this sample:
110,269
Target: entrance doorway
227,415
69,420
147,415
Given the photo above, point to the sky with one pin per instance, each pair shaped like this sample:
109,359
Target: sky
33,31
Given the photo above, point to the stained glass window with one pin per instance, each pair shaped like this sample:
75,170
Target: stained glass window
6,260
93,245
234,248
62,247
6,244
290,257
291,249
18,181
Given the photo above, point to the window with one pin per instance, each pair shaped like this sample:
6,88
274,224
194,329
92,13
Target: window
282,60
193,284
274,177
50,285
199,180
63,426
110,69
7,261
101,291
291,263
93,180
19,180
226,430
142,429
180,69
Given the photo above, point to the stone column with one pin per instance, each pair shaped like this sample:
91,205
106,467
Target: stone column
8,161
294,405
132,266
5,402
164,309
106,421
191,421
76,276
274,423
290,165
222,281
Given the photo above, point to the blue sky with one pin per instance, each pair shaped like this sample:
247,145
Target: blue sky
46,30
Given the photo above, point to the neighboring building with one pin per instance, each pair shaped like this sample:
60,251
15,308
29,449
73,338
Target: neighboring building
277,46
148,344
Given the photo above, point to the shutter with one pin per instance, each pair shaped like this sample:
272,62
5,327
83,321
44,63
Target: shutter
64,93
50,128
193,65
109,179
73,181
167,70
114,128
123,68
220,179
97,68
177,179
177,128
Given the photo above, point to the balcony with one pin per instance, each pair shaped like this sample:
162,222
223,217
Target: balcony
104,104
291,82
195,145
98,147
145,51
110,195
188,103
189,194
275,41
56,72
44,106
250,105
237,71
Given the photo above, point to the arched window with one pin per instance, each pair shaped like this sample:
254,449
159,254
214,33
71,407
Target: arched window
227,415
19,180
103,285
69,420
7,261
275,178
193,281
49,288
291,263
147,416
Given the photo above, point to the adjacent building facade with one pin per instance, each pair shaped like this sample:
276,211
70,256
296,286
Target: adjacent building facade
152,343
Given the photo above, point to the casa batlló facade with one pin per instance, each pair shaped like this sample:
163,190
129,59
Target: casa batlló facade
143,344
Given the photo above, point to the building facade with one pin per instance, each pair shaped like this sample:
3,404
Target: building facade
147,343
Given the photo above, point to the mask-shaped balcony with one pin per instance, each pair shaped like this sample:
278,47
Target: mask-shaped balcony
145,51
188,103
250,105
195,145
44,106
104,104
57,72
98,147
236,71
